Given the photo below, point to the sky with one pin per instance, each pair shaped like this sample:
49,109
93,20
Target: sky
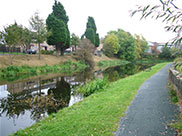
108,14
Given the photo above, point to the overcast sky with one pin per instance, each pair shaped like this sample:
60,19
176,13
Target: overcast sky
108,15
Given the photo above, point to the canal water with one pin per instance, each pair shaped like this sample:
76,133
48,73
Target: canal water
22,103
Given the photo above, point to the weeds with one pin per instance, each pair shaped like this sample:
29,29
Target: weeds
12,73
173,94
93,86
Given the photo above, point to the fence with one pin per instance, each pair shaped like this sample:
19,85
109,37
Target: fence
5,49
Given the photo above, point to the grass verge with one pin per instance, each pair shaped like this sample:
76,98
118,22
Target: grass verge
97,115
111,63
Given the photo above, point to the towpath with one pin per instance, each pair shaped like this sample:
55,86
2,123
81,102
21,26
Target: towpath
151,110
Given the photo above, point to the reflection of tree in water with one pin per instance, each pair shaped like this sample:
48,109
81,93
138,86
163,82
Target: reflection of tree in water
16,104
129,69
122,71
112,75
84,76
61,96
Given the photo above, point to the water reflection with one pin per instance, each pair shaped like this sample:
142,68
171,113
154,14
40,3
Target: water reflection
115,73
37,100
59,96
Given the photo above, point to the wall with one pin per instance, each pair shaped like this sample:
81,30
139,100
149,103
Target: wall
176,79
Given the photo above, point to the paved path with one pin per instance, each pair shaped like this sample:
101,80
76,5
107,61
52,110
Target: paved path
150,110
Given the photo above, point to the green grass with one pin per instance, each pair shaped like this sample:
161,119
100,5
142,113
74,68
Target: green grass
104,64
13,73
97,115
177,125
173,93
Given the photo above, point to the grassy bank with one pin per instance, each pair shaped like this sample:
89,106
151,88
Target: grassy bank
152,61
97,115
112,63
12,73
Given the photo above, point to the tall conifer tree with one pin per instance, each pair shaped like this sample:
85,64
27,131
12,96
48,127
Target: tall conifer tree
57,27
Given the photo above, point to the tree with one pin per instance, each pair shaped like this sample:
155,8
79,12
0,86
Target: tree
74,40
26,38
127,45
56,36
166,53
142,46
12,37
1,39
90,32
85,52
111,45
38,29
57,27
169,12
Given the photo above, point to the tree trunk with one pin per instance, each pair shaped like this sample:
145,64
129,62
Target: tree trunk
57,50
11,55
62,51
39,51
75,48
40,86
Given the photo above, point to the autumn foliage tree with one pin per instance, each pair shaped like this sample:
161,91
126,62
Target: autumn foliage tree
128,47
142,46
111,45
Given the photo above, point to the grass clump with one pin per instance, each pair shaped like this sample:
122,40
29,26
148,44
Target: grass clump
93,86
177,125
173,94
112,63
97,115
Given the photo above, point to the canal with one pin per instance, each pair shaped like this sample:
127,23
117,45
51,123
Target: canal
24,102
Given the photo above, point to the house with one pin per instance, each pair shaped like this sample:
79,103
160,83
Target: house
156,48
43,46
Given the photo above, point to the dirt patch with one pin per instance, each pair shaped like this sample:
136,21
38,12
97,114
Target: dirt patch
32,60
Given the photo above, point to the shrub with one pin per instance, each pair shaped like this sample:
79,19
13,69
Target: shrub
85,51
166,53
93,86
47,52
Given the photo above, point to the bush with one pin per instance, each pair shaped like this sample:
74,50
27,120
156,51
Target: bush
47,52
93,86
85,52
166,53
